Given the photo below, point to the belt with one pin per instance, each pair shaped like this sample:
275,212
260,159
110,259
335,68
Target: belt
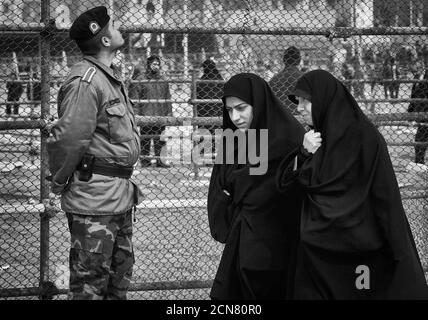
112,170
89,165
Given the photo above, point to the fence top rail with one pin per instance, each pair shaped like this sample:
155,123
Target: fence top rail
394,100
387,118
371,80
196,101
336,32
58,81
176,80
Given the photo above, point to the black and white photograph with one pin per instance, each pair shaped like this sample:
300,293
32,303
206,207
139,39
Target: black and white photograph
213,154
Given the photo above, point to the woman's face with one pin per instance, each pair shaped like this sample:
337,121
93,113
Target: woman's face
155,65
305,109
240,112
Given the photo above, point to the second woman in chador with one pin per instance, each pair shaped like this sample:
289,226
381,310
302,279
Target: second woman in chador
355,240
257,223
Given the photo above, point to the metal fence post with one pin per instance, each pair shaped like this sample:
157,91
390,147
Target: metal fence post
44,285
195,127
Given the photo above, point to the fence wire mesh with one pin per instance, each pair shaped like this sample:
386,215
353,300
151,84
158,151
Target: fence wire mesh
378,48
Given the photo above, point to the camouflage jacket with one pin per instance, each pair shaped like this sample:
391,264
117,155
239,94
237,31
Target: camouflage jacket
95,117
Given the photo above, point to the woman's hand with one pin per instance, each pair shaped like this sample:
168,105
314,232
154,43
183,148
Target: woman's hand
312,141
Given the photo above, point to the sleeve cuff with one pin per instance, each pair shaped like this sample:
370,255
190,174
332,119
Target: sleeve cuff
57,188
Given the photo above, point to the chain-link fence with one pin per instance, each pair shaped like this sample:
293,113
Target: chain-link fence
378,48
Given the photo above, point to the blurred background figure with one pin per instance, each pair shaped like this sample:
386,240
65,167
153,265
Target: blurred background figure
390,72
420,91
156,90
34,93
209,90
14,91
283,83
348,74
358,75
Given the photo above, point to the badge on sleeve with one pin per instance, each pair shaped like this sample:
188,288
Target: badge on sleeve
94,27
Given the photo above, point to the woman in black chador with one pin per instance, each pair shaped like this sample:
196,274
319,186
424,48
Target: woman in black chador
257,223
355,240
209,90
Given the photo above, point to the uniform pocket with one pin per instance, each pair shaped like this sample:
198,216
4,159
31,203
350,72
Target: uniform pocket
119,124
88,255
88,244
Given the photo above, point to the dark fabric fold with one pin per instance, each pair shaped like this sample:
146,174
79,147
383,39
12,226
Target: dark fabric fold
352,212
257,223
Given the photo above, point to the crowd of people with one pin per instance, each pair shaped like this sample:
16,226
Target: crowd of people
324,221
386,67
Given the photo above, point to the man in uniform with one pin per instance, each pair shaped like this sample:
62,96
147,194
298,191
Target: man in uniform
92,150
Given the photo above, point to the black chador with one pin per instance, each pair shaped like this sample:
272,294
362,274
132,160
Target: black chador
355,240
257,223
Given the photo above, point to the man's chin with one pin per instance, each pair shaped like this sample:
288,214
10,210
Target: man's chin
120,45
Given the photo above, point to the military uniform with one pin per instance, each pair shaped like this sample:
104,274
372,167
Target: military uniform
96,120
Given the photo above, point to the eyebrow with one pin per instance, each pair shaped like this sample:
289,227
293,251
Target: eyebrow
229,107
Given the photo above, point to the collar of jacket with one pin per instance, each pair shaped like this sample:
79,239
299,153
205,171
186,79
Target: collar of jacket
109,71
153,75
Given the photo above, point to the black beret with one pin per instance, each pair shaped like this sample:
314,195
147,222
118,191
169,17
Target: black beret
89,24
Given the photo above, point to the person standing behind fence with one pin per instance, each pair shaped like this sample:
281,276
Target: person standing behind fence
92,150
34,93
212,91
153,90
420,91
358,85
355,239
283,82
390,72
348,74
14,91
375,74
245,211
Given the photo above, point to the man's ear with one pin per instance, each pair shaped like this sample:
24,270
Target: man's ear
106,41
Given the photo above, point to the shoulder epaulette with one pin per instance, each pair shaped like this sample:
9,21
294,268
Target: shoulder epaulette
89,74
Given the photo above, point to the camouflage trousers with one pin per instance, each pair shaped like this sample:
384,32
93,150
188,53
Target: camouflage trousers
101,256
